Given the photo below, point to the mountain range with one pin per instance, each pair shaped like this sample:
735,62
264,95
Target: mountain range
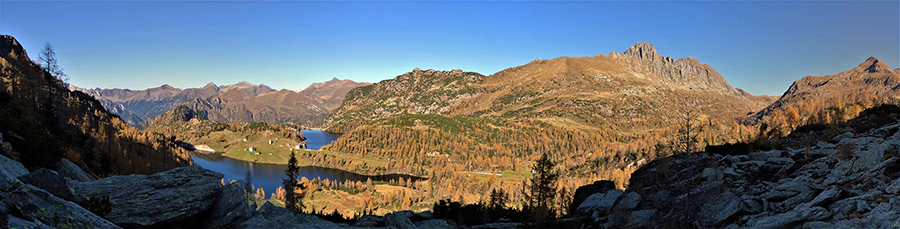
632,91
242,101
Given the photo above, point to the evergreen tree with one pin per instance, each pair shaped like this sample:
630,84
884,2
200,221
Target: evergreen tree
293,198
543,189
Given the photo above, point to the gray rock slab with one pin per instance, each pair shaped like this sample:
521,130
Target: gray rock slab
720,208
640,218
398,220
9,170
783,220
231,207
840,137
38,204
630,201
49,181
152,200
434,223
69,170
19,223
817,225
826,197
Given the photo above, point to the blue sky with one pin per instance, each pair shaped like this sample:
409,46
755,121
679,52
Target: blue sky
758,46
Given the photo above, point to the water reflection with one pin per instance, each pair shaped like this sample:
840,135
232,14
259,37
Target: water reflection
269,176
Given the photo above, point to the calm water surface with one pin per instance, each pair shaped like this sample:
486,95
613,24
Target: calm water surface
268,176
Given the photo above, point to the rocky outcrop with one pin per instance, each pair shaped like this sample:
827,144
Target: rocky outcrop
231,206
40,206
271,216
9,171
851,181
69,170
49,181
140,201
687,73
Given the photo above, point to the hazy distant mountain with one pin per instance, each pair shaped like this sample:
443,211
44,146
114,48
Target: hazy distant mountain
331,93
239,102
273,107
135,106
629,91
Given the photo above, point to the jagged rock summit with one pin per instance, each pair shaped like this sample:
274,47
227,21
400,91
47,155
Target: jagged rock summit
616,89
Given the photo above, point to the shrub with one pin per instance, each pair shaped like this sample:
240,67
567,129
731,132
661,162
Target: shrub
100,206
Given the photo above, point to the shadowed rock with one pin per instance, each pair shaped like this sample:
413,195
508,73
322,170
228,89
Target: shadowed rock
142,201
9,170
231,207
38,204
49,181
69,170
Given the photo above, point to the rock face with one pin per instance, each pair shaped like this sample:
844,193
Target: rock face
9,170
39,205
69,170
767,189
231,206
49,181
140,201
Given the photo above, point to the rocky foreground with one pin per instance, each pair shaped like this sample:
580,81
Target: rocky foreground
186,197
852,181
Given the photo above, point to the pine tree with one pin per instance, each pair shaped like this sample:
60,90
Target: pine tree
293,198
543,189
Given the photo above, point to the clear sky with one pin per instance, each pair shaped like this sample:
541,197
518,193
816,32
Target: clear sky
758,46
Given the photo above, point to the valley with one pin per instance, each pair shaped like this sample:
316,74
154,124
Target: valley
428,137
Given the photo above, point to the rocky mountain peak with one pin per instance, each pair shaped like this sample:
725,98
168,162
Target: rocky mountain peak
211,85
642,50
166,87
874,65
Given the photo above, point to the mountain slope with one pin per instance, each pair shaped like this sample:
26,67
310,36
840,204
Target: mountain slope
274,107
331,93
44,122
871,79
631,92
758,102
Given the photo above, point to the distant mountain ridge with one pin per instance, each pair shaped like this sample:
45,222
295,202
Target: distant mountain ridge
331,93
870,79
633,90
242,101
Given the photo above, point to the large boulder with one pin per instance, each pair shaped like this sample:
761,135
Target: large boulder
231,207
9,170
398,220
37,204
720,208
434,224
49,181
583,192
141,201
599,202
69,170
271,216
16,222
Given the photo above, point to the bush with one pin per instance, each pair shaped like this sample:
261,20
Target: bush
100,206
